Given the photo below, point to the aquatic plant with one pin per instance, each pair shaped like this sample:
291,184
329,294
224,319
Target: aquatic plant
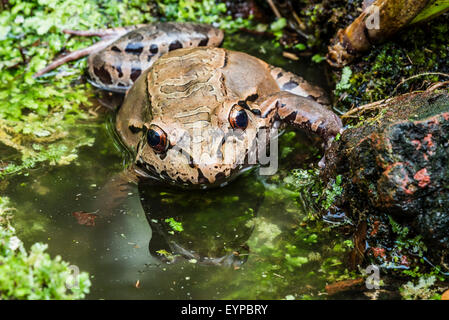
421,290
37,115
174,225
204,11
33,274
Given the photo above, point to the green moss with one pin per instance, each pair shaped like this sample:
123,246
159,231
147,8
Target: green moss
43,120
413,245
320,19
308,181
408,62
421,290
33,274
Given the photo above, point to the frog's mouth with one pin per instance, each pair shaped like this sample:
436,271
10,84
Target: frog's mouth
116,89
148,171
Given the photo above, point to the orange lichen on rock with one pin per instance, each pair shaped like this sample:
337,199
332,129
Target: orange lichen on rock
422,177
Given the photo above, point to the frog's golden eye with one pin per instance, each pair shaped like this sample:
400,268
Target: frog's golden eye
157,139
238,118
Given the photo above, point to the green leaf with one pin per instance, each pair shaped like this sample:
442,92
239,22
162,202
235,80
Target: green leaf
344,83
278,25
317,58
175,225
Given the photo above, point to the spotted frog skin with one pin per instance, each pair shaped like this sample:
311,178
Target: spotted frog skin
117,67
185,89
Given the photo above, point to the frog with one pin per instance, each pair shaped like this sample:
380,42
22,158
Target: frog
193,112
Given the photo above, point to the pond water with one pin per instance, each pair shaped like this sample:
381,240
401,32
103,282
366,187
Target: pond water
233,240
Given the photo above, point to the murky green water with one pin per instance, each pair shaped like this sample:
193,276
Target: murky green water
234,238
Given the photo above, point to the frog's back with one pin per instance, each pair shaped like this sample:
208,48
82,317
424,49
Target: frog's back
119,65
186,86
205,78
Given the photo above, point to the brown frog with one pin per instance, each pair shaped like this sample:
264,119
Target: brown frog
194,113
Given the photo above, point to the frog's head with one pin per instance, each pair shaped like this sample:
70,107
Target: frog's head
205,147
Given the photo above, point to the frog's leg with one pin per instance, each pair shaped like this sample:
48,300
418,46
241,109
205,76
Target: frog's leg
301,112
292,83
107,37
118,66
114,192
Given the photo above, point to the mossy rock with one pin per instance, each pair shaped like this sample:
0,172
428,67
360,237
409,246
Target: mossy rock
398,163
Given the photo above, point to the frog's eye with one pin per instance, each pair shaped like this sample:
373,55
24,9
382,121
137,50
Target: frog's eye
238,118
157,139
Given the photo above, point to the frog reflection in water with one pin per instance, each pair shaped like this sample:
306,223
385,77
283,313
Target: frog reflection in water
181,90
214,225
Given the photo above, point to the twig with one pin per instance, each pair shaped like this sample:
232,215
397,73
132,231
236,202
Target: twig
420,75
301,25
377,104
438,85
273,7
290,55
369,106
75,55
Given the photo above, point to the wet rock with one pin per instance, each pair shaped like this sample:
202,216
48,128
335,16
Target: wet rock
398,164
